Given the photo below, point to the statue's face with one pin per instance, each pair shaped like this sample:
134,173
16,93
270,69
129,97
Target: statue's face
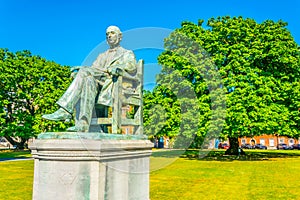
112,37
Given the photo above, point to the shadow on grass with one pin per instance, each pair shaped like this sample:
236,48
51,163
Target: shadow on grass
14,154
219,155
168,153
251,155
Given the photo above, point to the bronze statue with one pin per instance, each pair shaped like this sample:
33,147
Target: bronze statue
95,83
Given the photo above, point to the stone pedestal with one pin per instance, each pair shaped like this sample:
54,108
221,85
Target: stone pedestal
95,166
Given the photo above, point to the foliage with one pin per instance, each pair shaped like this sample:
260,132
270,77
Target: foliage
251,68
170,114
259,64
160,111
30,85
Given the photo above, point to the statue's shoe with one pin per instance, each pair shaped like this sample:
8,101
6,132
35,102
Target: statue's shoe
78,128
58,115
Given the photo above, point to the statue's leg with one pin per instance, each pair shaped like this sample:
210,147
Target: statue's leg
69,99
73,93
87,98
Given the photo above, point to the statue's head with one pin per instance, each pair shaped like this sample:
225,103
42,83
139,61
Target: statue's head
113,36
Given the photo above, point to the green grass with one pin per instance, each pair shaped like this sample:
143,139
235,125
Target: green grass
258,175
16,180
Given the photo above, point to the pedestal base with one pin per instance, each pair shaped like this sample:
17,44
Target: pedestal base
79,168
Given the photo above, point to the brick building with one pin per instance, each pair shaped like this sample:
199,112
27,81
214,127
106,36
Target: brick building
271,141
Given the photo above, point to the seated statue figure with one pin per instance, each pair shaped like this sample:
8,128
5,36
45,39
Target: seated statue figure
95,83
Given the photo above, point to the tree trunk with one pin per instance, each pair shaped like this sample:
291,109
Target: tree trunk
19,145
234,148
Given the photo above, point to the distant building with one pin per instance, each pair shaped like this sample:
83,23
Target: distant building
271,141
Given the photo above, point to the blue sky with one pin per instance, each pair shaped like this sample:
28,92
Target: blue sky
67,31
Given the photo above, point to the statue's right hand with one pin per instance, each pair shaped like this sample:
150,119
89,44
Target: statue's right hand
73,74
116,71
76,68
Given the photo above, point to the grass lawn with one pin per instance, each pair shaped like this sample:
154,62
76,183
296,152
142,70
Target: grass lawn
270,174
16,178
258,175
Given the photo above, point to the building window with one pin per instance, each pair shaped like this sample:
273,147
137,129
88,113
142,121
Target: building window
243,141
281,140
271,142
262,141
291,142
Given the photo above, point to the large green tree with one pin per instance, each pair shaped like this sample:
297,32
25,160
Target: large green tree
30,85
256,65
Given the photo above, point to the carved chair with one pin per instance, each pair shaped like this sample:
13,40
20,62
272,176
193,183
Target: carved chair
128,94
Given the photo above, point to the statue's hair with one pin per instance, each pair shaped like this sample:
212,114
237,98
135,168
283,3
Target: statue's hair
115,28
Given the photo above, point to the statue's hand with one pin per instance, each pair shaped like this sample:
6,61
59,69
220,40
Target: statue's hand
74,72
75,69
73,75
116,71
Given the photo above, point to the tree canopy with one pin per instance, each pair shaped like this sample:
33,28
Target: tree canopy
252,68
30,85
